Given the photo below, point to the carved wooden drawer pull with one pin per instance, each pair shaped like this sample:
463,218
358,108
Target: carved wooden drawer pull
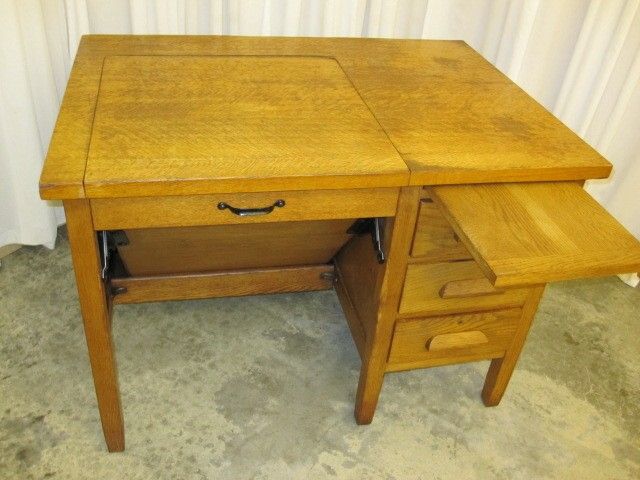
456,340
468,288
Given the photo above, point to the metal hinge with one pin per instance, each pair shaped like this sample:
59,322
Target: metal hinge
110,263
109,241
373,226
329,277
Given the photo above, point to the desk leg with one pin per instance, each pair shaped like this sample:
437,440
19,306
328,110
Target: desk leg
378,338
96,317
369,386
501,369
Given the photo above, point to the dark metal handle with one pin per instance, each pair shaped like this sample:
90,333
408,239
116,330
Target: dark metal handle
247,212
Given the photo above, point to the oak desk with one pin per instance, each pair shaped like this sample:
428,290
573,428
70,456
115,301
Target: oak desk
412,176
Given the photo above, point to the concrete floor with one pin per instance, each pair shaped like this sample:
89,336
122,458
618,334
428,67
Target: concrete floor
263,387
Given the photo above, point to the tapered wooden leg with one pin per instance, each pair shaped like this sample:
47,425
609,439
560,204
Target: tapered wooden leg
96,317
379,330
369,386
501,369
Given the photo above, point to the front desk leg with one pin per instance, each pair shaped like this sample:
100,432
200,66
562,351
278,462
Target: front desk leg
96,317
501,369
379,332
369,386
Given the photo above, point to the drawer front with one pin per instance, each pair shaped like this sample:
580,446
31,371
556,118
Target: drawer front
435,240
181,211
453,287
452,338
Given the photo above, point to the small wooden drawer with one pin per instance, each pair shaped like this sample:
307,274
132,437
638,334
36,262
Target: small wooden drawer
193,210
453,287
434,341
435,240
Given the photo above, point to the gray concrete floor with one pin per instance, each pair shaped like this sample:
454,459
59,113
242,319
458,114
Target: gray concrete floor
263,387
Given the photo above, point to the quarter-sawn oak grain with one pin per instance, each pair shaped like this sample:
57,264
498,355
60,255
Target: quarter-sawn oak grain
452,116
233,123
534,233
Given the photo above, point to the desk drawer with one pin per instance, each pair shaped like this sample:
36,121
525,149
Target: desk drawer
453,287
452,338
192,210
435,240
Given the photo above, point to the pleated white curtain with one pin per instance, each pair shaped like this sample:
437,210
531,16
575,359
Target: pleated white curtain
579,58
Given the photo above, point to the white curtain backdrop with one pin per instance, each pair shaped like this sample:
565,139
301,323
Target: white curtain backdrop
579,58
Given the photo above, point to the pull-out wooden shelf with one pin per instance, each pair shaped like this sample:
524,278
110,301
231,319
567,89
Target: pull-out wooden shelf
534,233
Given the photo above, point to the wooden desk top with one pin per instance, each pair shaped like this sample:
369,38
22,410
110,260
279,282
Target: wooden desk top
446,112
232,124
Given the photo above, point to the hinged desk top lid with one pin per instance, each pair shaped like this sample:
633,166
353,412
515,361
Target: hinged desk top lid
233,124
166,123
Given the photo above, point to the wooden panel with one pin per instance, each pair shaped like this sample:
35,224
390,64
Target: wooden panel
148,212
526,234
360,276
421,295
457,119
233,123
435,240
223,284
453,116
160,251
452,339
351,314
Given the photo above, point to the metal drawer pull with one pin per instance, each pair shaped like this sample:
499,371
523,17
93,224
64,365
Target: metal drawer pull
248,212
